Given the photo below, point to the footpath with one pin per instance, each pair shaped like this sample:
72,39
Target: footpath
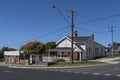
34,66
109,60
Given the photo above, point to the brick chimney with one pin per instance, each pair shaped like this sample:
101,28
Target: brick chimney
92,37
75,33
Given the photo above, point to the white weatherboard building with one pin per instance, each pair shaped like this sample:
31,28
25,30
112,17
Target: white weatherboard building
11,56
84,48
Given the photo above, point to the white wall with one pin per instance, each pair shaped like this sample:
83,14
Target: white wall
11,53
83,46
65,43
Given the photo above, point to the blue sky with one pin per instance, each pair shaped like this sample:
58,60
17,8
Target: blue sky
22,21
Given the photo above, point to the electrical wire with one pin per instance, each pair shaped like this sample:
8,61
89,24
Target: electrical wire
99,19
55,31
61,14
44,35
90,31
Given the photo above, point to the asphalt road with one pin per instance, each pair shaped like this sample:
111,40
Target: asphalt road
106,72
103,70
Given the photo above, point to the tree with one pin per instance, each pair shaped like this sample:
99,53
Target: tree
114,44
5,49
34,47
50,45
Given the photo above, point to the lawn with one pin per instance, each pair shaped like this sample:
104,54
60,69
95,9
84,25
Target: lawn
81,63
114,56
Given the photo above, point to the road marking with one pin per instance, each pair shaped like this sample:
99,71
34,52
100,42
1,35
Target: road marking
110,70
107,74
96,73
7,71
76,72
49,70
85,73
62,71
56,70
118,75
79,72
69,71
116,69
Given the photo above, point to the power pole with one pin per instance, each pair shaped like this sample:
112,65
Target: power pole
111,29
72,29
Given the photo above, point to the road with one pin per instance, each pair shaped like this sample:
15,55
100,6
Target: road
103,72
107,70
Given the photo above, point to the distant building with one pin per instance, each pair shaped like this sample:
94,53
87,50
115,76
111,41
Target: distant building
11,56
116,50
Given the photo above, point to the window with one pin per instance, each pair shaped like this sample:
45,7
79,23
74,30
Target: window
96,50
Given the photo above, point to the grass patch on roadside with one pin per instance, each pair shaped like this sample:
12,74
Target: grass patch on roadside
114,56
81,63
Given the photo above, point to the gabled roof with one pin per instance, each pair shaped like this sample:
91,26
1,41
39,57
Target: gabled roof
96,43
80,39
65,37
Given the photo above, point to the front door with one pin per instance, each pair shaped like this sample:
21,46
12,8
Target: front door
78,56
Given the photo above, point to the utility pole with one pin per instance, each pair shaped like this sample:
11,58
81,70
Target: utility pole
72,29
111,29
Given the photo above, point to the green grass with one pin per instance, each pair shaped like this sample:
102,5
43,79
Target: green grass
82,63
114,56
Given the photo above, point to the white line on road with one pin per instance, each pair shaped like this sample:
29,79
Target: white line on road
7,71
62,71
96,73
69,71
76,72
85,73
118,75
56,70
107,74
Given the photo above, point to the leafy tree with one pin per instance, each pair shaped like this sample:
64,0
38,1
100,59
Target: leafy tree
115,44
5,49
50,45
35,47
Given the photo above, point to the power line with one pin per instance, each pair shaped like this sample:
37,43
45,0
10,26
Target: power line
90,31
99,19
55,31
44,35
61,14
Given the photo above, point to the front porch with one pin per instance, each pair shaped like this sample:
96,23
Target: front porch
62,53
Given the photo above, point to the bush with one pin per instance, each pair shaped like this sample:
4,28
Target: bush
59,60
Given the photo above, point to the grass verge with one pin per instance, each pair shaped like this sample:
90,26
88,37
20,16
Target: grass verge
82,63
114,56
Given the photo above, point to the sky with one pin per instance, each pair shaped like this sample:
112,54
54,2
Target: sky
22,21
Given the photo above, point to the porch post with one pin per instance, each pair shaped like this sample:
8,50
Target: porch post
48,53
60,54
80,56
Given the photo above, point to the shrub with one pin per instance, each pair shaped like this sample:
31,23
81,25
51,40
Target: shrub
59,60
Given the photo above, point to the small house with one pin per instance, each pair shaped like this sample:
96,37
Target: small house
84,48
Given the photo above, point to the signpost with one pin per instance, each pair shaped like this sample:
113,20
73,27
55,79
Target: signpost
30,58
